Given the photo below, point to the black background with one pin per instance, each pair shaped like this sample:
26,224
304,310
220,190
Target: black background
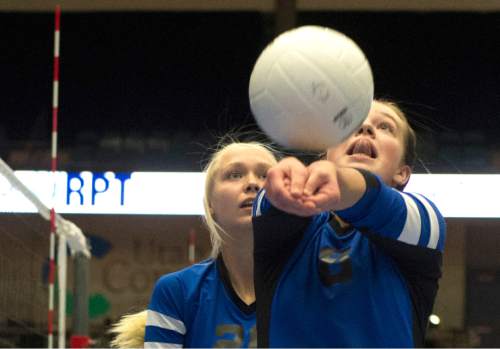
167,72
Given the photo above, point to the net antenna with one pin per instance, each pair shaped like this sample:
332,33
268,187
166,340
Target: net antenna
67,232
61,260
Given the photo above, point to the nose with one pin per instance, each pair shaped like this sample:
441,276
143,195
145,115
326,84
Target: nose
366,129
253,184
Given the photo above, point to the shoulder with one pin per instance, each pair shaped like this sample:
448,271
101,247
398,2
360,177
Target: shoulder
187,276
176,290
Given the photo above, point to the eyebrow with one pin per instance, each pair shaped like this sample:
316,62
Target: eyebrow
241,164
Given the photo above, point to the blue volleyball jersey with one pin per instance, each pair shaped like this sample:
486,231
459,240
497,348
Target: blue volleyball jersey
197,307
370,284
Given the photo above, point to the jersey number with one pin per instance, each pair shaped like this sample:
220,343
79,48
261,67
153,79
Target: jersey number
237,334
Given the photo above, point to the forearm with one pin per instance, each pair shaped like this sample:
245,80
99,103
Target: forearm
352,186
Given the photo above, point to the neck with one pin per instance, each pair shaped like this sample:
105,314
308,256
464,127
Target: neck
342,223
238,258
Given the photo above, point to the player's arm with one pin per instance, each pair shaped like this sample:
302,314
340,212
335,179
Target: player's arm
165,327
359,197
409,219
304,191
407,227
411,230
276,236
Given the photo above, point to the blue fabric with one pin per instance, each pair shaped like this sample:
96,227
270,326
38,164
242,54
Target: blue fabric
372,304
157,334
197,297
372,309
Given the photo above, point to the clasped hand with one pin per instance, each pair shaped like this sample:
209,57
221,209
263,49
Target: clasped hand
303,190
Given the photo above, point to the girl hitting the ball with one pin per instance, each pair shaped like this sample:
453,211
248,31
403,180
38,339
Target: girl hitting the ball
344,258
212,303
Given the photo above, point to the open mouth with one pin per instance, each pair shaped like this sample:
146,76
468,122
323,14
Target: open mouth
364,147
247,203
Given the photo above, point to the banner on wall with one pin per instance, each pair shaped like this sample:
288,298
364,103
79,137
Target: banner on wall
181,193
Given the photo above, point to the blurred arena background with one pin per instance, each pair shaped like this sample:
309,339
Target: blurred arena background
151,85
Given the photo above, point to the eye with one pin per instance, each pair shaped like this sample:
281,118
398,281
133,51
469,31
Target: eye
386,126
234,175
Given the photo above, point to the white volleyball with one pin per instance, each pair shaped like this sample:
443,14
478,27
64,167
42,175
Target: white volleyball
311,88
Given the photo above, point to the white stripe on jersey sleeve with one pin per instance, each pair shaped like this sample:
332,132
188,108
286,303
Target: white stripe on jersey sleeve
258,212
159,345
433,220
413,226
164,321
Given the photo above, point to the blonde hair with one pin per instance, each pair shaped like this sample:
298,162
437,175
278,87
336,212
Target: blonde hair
129,331
211,171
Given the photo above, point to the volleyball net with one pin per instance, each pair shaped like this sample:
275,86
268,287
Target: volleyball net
25,305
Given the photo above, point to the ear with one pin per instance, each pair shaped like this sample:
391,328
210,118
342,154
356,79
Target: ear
401,177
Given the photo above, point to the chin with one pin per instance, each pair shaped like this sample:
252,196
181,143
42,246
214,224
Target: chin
247,220
367,167
359,165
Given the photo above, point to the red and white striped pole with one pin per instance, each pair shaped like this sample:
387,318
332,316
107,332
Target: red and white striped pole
55,99
191,246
